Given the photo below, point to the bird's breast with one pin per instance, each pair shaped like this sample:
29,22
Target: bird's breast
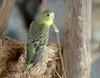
41,38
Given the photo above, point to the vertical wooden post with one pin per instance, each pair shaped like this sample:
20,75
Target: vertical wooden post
5,9
77,54
44,5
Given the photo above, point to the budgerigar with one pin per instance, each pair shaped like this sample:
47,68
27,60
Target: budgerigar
38,35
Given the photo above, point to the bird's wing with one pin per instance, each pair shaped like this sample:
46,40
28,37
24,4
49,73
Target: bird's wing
31,52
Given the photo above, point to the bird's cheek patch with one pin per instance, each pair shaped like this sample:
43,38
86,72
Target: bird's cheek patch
49,22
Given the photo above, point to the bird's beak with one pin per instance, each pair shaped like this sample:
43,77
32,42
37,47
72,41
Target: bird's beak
52,16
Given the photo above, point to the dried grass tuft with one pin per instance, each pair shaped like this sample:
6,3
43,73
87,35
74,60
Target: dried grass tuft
12,60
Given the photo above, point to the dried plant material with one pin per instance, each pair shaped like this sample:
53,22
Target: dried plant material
59,49
10,51
12,60
46,65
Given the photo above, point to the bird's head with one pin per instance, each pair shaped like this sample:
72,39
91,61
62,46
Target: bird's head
46,17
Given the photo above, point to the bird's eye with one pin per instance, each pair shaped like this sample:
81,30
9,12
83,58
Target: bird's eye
48,15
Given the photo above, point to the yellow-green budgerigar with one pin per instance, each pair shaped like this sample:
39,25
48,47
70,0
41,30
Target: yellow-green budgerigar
38,35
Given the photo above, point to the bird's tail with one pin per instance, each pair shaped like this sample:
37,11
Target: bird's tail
31,50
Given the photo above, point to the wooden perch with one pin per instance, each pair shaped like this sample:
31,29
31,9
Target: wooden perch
77,54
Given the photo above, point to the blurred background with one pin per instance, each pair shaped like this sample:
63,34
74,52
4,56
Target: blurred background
25,11
96,39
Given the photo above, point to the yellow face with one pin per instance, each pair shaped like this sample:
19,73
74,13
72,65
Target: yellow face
46,17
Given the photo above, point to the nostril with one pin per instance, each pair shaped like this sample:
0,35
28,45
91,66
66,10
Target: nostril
47,14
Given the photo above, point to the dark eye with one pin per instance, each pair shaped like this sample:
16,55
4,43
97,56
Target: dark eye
48,15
